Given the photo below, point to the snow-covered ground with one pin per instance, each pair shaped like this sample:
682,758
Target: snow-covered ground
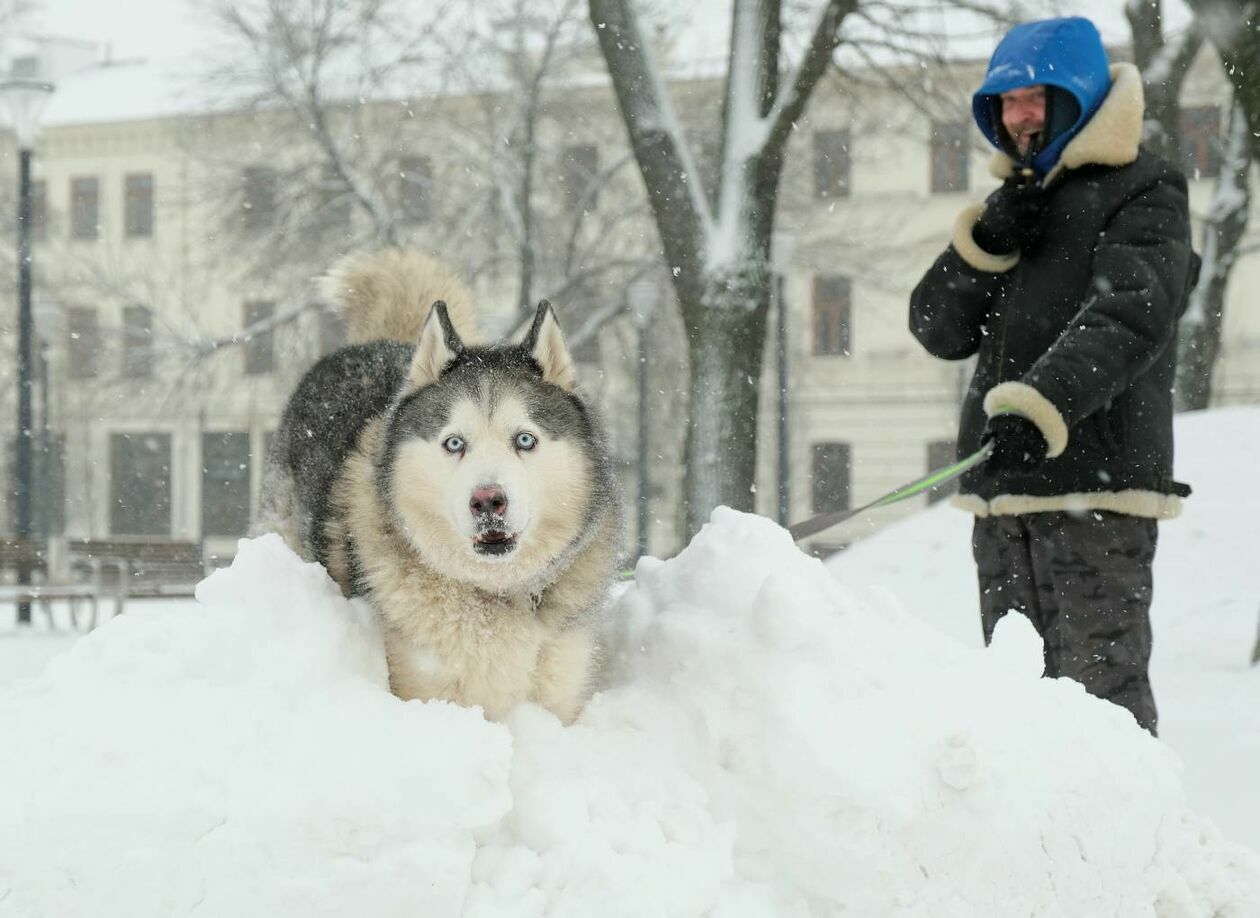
777,738
1205,613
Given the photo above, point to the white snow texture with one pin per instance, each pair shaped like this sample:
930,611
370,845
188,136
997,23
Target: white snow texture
767,745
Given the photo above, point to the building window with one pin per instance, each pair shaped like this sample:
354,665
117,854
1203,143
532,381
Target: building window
831,164
225,484
1201,140
949,156
832,311
415,189
941,453
578,170
336,208
39,209
137,342
140,484
84,208
332,331
260,352
830,475
138,195
84,334
258,197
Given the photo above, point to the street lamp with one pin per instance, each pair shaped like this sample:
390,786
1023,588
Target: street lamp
782,247
642,297
25,101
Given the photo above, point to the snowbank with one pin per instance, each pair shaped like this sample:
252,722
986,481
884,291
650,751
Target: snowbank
768,744
1207,590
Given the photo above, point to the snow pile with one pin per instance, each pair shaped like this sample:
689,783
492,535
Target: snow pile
242,759
767,745
1207,592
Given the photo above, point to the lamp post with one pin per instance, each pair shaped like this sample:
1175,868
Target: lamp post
782,247
25,101
49,327
643,296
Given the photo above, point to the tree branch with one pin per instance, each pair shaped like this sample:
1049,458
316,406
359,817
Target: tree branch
826,36
669,171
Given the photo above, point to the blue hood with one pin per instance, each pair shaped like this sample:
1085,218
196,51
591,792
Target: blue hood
1064,55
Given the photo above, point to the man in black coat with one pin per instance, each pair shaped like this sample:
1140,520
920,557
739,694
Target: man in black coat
1067,284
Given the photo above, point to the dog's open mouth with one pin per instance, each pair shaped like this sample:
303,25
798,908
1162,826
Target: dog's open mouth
493,542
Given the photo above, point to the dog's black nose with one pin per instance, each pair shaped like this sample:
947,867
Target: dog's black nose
488,499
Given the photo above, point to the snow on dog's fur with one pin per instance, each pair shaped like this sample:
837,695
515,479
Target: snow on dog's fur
466,491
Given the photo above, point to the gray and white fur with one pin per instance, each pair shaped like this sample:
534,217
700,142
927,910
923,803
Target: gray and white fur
465,490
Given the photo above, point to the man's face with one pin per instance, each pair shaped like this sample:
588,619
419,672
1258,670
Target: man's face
1024,115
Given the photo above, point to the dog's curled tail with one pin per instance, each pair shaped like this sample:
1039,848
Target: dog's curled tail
388,294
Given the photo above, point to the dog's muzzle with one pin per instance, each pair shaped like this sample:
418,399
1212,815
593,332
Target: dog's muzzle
488,505
494,541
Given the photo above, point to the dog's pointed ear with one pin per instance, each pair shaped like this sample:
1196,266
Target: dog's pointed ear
545,342
439,345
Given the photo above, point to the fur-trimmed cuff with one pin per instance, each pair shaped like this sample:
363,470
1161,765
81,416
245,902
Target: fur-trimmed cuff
1022,399
1150,505
966,245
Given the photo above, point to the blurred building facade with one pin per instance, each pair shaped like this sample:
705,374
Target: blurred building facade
175,257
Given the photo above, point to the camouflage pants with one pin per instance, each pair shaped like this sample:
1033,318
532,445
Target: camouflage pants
1085,582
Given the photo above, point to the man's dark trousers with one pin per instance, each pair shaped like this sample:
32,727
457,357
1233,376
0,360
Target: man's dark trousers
1084,580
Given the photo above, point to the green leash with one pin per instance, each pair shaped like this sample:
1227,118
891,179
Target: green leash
816,524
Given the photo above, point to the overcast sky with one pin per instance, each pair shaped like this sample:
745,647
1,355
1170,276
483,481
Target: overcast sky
174,37
177,28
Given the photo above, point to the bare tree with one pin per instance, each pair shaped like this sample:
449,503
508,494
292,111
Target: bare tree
11,12
1163,62
302,73
347,90
1200,332
1233,26
719,251
1255,651
529,47
546,192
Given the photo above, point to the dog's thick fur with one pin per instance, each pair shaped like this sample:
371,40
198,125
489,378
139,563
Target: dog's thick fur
466,491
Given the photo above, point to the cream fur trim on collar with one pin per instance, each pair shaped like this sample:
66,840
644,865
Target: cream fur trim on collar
1149,504
966,246
1110,138
1022,399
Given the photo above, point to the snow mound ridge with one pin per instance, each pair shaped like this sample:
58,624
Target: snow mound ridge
768,743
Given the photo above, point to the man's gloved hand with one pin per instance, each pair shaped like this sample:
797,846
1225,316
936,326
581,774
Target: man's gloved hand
1012,218
1018,445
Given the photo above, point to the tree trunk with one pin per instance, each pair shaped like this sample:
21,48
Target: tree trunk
1199,341
1163,65
1232,27
1255,651
725,338
717,250
525,207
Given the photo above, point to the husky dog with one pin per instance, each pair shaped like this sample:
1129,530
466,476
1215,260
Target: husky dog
464,490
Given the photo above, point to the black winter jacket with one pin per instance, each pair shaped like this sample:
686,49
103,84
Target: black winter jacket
1079,334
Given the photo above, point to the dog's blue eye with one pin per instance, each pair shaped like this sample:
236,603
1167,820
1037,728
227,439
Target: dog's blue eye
453,444
526,440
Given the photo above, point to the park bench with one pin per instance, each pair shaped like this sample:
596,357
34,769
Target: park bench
18,555
138,568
